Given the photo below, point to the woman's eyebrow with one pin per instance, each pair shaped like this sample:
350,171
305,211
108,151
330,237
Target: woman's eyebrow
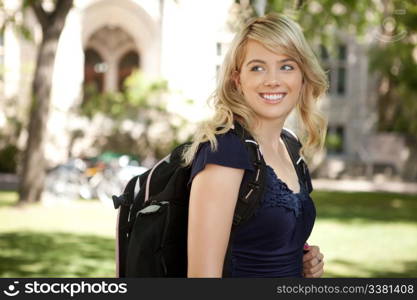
259,61
263,62
286,60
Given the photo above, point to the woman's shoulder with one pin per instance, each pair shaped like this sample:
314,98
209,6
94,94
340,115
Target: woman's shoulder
230,152
230,148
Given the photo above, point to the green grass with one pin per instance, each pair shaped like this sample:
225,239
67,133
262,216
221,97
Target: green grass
366,207
77,217
7,198
67,239
55,254
360,234
367,234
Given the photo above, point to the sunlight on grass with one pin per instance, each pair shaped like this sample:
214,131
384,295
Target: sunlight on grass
88,217
367,250
65,239
8,198
55,254
353,207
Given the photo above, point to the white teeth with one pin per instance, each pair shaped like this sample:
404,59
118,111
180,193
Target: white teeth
273,96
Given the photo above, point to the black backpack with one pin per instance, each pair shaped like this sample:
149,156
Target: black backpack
151,237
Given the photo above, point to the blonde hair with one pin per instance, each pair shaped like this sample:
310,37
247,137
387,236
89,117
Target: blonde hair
275,32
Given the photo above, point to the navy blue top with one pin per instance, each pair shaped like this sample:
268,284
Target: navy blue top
270,244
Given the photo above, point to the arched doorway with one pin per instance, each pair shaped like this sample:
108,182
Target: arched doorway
94,69
128,62
110,57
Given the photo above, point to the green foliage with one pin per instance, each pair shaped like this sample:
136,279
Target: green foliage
140,90
239,14
107,103
398,69
333,142
24,31
9,19
321,19
140,93
8,159
9,134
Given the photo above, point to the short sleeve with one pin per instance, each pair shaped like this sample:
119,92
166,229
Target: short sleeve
231,152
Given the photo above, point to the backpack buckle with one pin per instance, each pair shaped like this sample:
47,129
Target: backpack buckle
257,164
253,185
120,200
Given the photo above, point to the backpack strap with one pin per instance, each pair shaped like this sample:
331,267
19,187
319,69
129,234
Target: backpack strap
125,201
294,146
251,193
148,180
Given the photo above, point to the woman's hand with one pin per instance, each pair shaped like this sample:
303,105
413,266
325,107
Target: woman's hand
313,262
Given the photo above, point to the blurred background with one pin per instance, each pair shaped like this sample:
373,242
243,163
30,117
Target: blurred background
93,92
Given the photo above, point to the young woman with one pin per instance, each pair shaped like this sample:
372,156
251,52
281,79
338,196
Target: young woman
269,71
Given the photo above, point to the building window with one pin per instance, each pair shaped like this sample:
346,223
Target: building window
341,69
219,56
342,52
341,81
325,60
219,49
335,139
94,69
217,72
127,64
335,65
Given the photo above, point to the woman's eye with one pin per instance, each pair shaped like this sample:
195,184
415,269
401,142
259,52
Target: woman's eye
287,68
257,68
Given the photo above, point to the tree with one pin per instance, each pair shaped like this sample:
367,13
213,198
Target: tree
33,168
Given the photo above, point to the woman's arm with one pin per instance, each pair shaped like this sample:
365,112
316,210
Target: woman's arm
213,197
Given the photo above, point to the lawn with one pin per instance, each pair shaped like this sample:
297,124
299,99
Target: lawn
361,235
367,234
74,239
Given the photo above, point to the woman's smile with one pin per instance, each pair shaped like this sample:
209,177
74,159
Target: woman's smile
272,98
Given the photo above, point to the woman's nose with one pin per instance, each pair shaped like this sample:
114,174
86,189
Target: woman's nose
272,80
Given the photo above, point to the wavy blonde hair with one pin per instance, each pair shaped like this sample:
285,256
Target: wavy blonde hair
277,33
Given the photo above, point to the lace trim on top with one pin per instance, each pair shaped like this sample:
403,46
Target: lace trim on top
277,193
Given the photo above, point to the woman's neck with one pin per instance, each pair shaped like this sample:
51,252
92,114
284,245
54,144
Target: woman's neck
268,134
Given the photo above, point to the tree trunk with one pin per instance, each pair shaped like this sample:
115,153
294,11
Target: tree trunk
33,169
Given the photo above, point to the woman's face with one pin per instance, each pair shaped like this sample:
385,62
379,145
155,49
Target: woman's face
271,82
